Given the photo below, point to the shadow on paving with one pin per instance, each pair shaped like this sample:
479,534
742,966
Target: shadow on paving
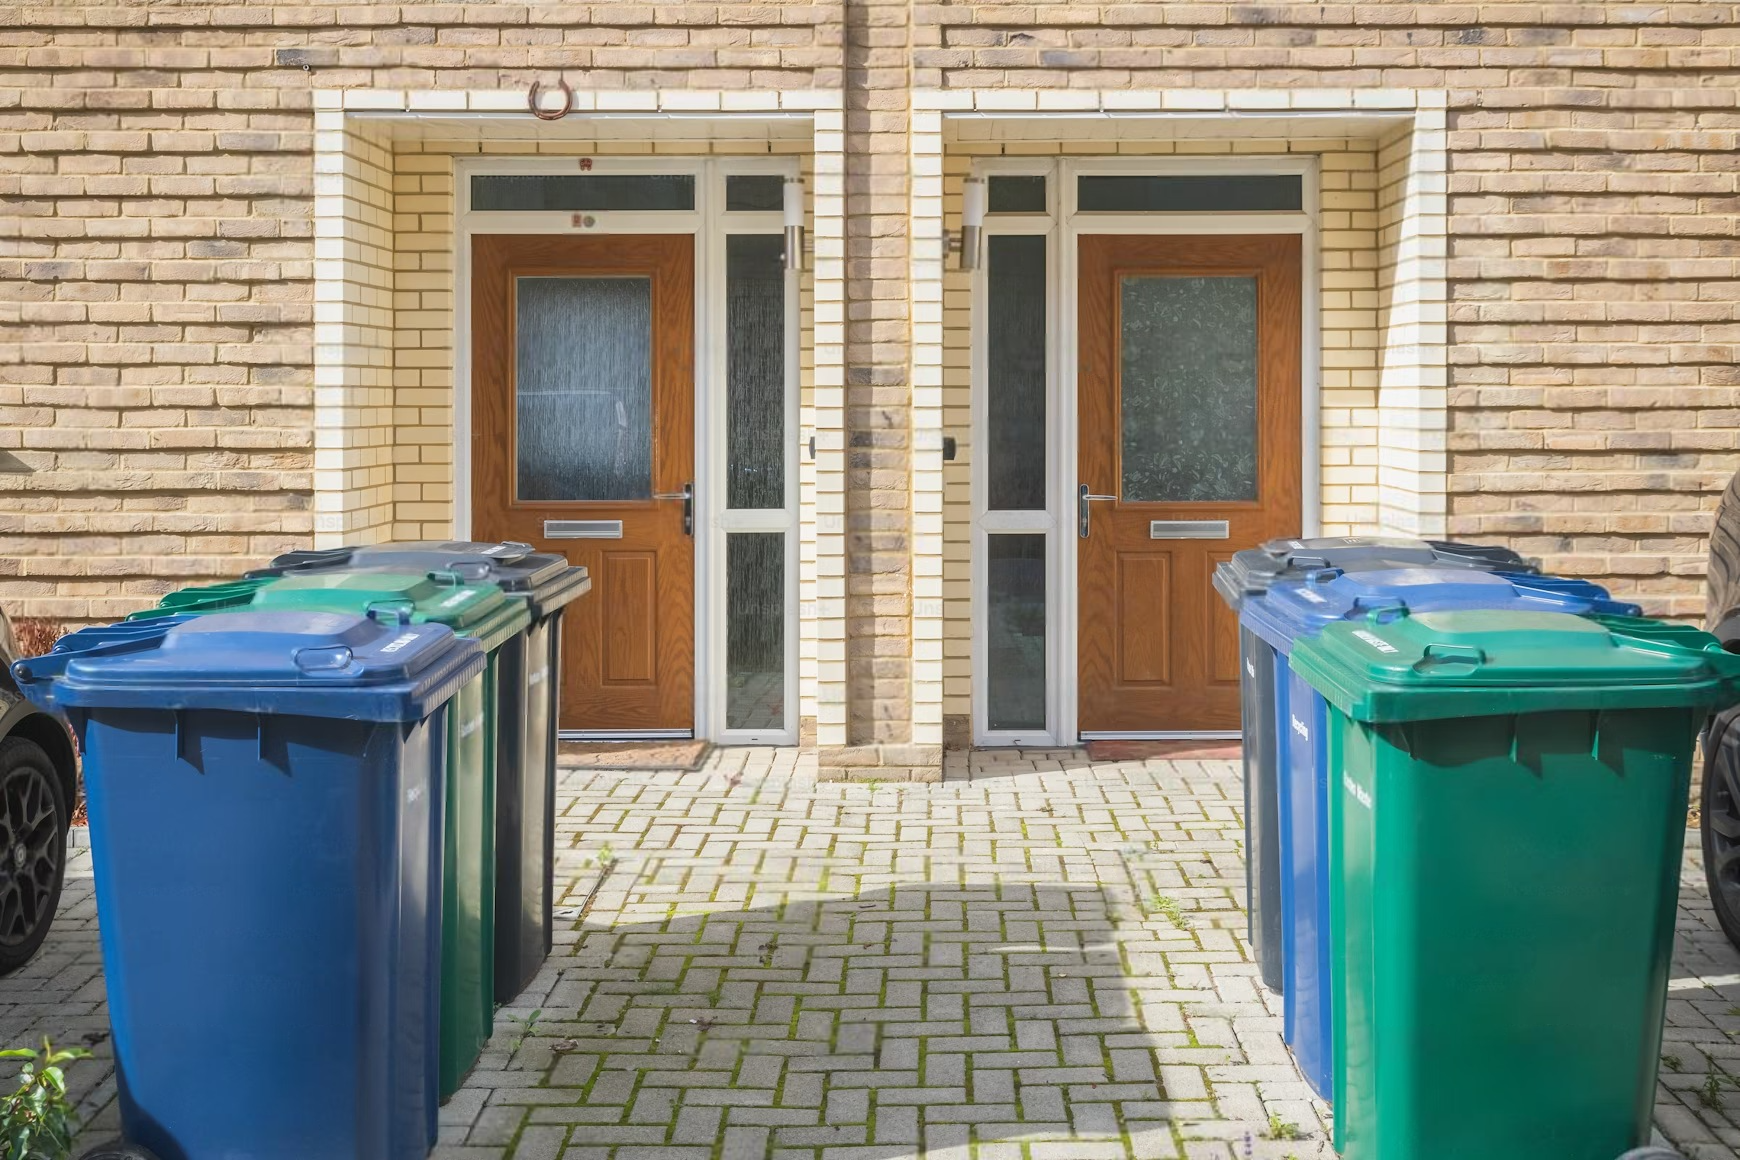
889,1024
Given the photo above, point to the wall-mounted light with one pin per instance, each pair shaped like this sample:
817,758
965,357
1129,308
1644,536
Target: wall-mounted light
972,221
794,223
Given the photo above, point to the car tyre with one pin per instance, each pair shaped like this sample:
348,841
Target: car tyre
119,1150
1652,1153
33,826
1719,824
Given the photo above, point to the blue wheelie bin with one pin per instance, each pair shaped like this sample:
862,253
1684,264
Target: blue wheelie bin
1294,609
265,810
1247,575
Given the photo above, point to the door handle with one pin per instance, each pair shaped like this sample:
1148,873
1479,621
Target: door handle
687,495
1083,516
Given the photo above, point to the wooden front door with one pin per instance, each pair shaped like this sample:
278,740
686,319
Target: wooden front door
1189,425
583,443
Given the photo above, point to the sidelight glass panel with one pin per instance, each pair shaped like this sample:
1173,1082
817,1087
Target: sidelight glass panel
755,432
1188,388
1190,194
1015,632
1015,373
593,191
750,192
1016,194
583,388
755,630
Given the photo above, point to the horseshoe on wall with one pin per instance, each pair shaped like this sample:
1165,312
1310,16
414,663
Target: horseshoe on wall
543,114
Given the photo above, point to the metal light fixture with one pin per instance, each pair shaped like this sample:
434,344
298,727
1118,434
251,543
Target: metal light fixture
972,221
794,223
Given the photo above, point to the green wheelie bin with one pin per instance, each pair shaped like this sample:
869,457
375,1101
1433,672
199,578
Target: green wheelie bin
479,611
1507,809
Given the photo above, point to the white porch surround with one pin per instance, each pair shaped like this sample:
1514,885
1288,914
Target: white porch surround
1406,432
369,485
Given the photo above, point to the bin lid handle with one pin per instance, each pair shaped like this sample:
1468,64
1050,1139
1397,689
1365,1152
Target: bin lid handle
1437,654
469,571
446,577
399,610
1387,612
511,550
322,658
1321,575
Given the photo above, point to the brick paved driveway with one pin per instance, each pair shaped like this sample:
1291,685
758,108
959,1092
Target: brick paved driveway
1040,958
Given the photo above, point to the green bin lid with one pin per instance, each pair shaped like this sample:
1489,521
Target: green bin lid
480,611
1480,662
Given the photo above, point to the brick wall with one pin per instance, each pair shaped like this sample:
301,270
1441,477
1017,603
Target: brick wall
158,381
1591,208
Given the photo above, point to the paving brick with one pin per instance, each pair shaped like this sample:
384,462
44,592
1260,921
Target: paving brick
713,1078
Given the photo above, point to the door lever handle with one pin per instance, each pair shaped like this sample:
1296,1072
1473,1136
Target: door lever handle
687,495
1083,515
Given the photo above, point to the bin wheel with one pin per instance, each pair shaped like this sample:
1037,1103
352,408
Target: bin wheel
119,1150
33,825
1652,1154
1719,825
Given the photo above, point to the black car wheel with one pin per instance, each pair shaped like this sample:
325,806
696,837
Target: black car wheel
1652,1154
33,825
1719,824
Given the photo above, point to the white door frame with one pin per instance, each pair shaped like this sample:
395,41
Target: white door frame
710,224
1064,224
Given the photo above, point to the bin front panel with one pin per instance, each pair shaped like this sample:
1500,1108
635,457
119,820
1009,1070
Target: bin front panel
466,951
1262,852
1305,870
252,891
1508,886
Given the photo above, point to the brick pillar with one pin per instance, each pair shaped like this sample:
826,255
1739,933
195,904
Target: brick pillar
879,643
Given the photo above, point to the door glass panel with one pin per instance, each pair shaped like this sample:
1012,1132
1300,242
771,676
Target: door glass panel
1015,373
1188,388
1015,632
583,388
1189,194
595,191
755,371
755,630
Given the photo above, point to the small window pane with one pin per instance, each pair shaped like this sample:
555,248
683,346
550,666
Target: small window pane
1188,389
745,192
1189,194
583,388
594,191
1015,373
1025,194
755,630
755,371
1015,632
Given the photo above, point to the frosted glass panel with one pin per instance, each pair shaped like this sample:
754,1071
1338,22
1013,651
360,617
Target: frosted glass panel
1188,388
755,371
1015,373
755,630
583,388
1015,632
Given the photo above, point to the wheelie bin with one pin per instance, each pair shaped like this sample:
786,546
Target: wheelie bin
479,611
1291,611
1505,839
526,744
1248,574
264,816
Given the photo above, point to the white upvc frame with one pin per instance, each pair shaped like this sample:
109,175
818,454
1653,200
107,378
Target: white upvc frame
1065,226
710,224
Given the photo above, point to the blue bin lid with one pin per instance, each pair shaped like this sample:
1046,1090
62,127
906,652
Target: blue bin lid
292,663
1301,607
1600,600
